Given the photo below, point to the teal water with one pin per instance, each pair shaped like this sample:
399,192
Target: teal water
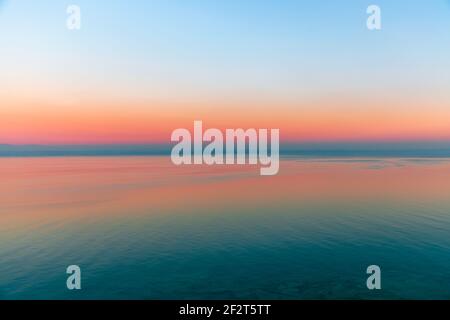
141,228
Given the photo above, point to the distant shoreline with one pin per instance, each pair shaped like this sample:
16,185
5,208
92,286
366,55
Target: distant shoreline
397,149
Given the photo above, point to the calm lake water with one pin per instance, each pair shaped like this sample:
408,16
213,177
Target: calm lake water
142,228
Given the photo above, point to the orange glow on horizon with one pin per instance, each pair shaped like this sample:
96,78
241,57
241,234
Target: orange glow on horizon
153,122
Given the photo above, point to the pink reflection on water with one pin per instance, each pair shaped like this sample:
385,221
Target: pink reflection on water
57,188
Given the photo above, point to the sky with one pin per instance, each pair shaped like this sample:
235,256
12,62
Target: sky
138,70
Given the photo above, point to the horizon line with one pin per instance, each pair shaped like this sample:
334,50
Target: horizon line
432,149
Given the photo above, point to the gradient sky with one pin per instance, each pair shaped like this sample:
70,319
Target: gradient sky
138,70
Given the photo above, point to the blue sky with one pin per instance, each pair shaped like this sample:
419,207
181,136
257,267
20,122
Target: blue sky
210,47
310,68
